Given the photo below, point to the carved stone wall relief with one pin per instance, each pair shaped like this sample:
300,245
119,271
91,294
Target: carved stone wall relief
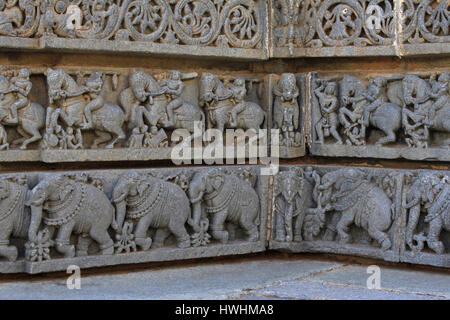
379,213
59,115
381,116
288,113
99,218
165,24
359,27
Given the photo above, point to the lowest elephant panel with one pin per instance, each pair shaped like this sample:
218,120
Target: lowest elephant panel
96,218
389,214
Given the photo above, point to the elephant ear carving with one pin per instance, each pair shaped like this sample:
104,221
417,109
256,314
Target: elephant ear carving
217,181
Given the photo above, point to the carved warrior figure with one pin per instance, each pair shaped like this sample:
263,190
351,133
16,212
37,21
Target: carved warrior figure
14,217
17,110
72,205
68,107
155,203
159,104
226,199
428,193
226,105
327,93
286,111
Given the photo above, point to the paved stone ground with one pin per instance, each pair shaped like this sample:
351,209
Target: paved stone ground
266,276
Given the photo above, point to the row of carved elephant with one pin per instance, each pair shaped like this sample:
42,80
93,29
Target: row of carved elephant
320,205
207,203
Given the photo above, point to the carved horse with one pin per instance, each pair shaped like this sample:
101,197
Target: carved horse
416,91
387,117
31,117
146,99
66,94
218,101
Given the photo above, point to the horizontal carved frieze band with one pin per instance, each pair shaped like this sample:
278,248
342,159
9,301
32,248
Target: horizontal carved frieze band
359,23
48,219
69,115
224,23
379,115
396,215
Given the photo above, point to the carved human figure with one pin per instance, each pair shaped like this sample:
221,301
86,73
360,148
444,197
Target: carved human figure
148,102
226,198
440,91
376,95
429,193
14,216
286,109
359,201
17,110
10,17
326,92
94,84
71,205
219,100
152,203
67,103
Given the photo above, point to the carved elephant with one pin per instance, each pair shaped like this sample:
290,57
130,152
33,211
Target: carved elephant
431,193
14,216
71,205
226,198
360,202
292,196
153,203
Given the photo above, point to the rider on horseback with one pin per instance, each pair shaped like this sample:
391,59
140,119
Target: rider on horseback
174,87
440,91
22,86
239,92
376,94
94,83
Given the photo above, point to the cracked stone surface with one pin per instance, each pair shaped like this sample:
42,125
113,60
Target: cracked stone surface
265,276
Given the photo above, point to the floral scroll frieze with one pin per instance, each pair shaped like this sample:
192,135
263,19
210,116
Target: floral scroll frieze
222,23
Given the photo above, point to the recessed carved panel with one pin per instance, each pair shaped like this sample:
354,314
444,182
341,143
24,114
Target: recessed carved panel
97,218
381,116
58,115
395,215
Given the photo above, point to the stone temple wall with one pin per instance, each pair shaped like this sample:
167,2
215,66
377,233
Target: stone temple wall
99,101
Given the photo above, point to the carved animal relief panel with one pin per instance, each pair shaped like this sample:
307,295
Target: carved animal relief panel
94,218
58,115
206,23
378,213
381,116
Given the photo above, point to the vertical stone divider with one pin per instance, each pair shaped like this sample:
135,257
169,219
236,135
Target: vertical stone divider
399,218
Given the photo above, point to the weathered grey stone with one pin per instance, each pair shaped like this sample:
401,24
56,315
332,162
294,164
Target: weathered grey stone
225,28
358,28
396,116
98,218
123,115
288,114
367,212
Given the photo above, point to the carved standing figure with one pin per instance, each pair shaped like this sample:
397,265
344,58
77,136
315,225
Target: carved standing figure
72,206
153,203
219,100
226,198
